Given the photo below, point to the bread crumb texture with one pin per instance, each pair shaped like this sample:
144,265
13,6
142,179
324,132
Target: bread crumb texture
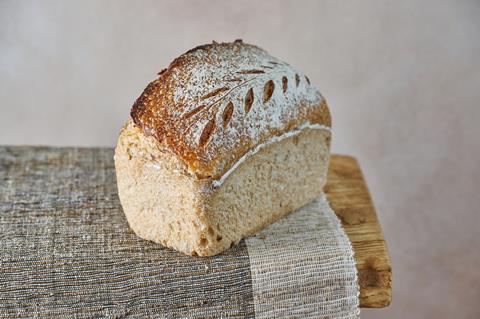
167,204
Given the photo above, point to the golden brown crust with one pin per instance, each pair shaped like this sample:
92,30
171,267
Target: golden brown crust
217,101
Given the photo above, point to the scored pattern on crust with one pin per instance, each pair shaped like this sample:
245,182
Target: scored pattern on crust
268,90
215,102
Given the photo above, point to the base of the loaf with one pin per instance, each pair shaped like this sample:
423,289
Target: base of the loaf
187,214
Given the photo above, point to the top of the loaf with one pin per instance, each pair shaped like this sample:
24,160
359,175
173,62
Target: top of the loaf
216,102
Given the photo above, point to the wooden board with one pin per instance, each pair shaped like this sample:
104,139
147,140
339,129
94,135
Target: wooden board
349,197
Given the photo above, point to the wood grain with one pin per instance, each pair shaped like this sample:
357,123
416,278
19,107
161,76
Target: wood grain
350,199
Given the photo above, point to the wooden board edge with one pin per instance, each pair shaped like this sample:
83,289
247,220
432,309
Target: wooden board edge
365,233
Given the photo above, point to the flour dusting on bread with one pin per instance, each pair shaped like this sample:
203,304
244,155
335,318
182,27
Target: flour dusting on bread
225,98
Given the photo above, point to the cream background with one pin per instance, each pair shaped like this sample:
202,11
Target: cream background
402,79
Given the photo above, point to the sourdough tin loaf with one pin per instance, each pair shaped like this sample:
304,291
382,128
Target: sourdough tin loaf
225,141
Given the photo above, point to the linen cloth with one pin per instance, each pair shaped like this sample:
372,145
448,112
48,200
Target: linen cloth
66,251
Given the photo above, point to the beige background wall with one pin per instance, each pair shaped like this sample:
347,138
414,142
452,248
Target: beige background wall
402,79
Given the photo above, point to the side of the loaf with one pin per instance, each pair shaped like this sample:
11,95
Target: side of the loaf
159,199
279,179
165,204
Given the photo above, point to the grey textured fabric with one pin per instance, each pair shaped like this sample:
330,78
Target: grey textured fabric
66,251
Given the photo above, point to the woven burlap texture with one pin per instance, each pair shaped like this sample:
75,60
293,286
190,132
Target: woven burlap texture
66,251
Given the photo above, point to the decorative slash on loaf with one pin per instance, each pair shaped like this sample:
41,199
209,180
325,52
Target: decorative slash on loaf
225,141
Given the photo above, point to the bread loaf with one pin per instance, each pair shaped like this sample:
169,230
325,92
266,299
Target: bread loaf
225,141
